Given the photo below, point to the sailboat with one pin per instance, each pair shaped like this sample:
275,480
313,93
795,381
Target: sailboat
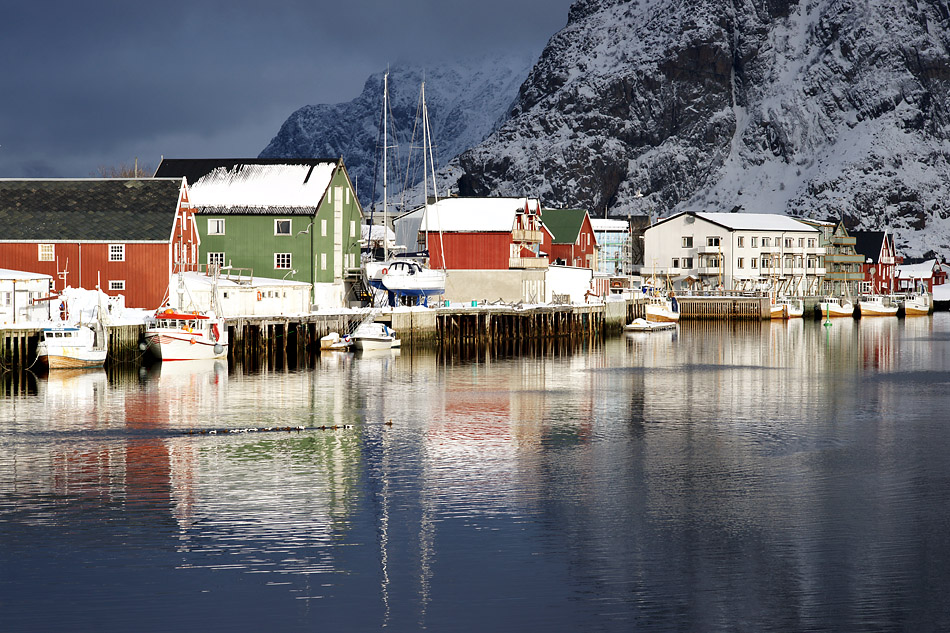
402,276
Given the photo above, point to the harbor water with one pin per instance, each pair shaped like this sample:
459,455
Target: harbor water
719,477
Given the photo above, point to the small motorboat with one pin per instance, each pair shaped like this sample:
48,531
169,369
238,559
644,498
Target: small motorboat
642,325
333,342
835,307
917,305
178,335
68,347
373,336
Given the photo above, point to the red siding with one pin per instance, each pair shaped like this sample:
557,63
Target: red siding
145,269
471,251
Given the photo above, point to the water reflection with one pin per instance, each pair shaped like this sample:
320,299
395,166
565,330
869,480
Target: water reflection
759,476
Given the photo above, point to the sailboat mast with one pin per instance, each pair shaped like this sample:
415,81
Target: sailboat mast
385,164
427,152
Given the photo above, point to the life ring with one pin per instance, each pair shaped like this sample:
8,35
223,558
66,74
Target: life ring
63,311
258,295
214,331
385,271
192,341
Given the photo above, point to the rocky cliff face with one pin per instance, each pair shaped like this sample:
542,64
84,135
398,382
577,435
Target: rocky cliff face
466,100
818,108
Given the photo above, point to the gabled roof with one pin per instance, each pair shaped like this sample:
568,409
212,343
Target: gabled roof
922,270
476,215
563,224
254,185
748,221
869,243
89,209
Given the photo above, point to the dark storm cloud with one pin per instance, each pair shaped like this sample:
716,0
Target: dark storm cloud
96,83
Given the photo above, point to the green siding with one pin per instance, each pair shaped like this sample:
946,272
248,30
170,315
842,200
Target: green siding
249,241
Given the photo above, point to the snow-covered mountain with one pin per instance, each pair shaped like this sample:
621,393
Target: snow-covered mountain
466,99
820,108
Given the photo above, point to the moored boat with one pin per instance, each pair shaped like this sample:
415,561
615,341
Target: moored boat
835,307
662,308
374,336
642,325
876,305
918,304
68,347
794,308
187,336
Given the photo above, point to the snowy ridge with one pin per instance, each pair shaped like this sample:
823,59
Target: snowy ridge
817,108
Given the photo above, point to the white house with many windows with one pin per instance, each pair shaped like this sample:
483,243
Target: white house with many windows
735,251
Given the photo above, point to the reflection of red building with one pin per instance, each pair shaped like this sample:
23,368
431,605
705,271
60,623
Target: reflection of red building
880,260
119,234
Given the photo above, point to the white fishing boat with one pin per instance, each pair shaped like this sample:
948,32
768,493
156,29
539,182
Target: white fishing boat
177,335
662,308
642,325
876,305
831,307
72,347
786,308
374,336
917,304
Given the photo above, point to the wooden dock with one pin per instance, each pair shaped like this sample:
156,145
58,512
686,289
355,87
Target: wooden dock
287,338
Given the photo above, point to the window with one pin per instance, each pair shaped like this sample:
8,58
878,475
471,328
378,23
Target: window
754,262
788,262
740,263
801,242
47,252
811,262
216,227
740,242
712,241
116,284
352,226
281,227
347,190
754,242
766,262
282,261
766,241
323,261
687,262
811,242
789,242
323,228
688,241
676,263
215,259
116,252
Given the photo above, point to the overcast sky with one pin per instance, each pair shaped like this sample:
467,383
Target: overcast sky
98,83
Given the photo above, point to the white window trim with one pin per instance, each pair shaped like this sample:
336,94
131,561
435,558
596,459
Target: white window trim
214,222
121,249
52,253
117,284
290,261
290,226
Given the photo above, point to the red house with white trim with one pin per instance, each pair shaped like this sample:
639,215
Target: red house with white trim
484,233
569,239
126,236
880,260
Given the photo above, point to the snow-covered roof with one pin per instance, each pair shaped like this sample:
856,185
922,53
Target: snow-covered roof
247,186
755,221
923,270
202,281
19,275
375,232
605,225
471,215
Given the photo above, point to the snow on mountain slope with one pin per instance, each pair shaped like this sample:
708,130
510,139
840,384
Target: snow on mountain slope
465,99
820,108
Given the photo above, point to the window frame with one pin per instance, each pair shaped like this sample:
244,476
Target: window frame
283,261
216,222
50,256
278,222
117,284
116,252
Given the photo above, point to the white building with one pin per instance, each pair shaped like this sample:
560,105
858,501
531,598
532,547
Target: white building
21,296
735,251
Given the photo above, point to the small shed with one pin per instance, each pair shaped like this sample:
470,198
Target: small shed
24,297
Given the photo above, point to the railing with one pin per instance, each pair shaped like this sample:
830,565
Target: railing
525,235
528,262
843,241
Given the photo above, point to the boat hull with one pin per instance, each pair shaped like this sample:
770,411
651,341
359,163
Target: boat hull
177,345
836,310
642,325
877,310
916,310
659,314
87,359
370,343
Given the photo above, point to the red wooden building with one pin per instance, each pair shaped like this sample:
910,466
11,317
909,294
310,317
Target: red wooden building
121,235
921,276
569,239
484,233
880,260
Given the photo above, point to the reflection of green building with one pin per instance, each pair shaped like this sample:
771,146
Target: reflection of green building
841,262
280,218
